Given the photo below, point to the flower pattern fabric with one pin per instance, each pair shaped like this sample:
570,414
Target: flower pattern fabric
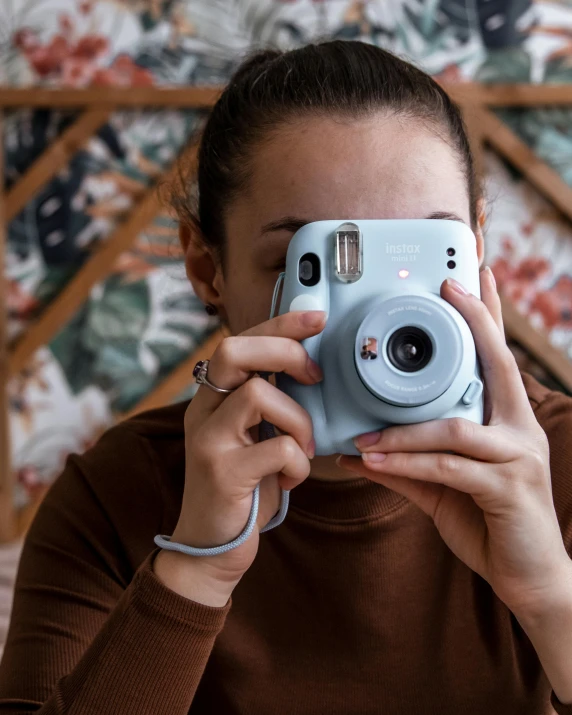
144,319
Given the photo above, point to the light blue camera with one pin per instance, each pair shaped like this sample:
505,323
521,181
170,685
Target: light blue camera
392,351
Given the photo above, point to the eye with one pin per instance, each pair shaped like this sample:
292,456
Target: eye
272,260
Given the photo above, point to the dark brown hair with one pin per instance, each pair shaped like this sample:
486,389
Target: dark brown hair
271,88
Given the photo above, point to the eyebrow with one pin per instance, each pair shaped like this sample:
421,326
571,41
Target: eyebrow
287,223
448,215
293,223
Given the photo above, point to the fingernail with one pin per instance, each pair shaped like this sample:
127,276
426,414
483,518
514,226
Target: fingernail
367,439
314,369
491,276
313,318
311,449
456,286
373,456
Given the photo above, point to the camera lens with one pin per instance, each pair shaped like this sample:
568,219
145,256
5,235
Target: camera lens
409,349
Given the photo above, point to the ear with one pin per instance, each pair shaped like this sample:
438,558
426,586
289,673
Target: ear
202,266
481,205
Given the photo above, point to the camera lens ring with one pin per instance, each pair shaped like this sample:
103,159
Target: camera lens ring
409,348
397,387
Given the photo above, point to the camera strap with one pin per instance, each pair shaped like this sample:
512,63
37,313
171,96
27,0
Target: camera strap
265,431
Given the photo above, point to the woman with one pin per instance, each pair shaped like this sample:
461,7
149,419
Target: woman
431,575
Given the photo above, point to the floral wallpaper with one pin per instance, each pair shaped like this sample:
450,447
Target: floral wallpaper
143,319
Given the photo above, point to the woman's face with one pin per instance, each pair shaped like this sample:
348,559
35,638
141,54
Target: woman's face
321,168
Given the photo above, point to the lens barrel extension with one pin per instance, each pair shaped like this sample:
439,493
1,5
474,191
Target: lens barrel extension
419,348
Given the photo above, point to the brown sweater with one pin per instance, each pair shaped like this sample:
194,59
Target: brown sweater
353,605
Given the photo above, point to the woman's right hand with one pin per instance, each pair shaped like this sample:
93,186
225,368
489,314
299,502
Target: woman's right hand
224,461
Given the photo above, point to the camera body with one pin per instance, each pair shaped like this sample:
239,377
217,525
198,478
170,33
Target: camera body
392,351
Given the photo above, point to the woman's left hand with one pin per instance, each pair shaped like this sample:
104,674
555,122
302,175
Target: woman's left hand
491,500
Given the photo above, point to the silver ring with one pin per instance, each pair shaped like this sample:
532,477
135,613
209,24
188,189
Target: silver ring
200,375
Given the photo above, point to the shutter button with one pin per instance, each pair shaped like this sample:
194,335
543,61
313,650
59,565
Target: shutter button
304,301
472,393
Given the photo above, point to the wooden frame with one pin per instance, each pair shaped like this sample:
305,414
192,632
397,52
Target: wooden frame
6,484
493,95
96,105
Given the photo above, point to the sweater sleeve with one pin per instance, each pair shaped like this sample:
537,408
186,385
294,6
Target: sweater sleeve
555,416
91,633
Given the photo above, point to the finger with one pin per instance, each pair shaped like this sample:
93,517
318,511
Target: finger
500,371
253,402
465,475
424,494
297,324
272,346
490,297
454,434
280,455
236,358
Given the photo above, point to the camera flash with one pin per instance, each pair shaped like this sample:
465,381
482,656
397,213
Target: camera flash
348,255
403,273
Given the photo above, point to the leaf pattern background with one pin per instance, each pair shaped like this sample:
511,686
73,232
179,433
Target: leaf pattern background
144,319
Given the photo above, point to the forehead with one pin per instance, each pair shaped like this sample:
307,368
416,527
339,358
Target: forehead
379,167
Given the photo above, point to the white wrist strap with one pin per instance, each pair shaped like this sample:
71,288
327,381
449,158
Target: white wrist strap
265,431
165,541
